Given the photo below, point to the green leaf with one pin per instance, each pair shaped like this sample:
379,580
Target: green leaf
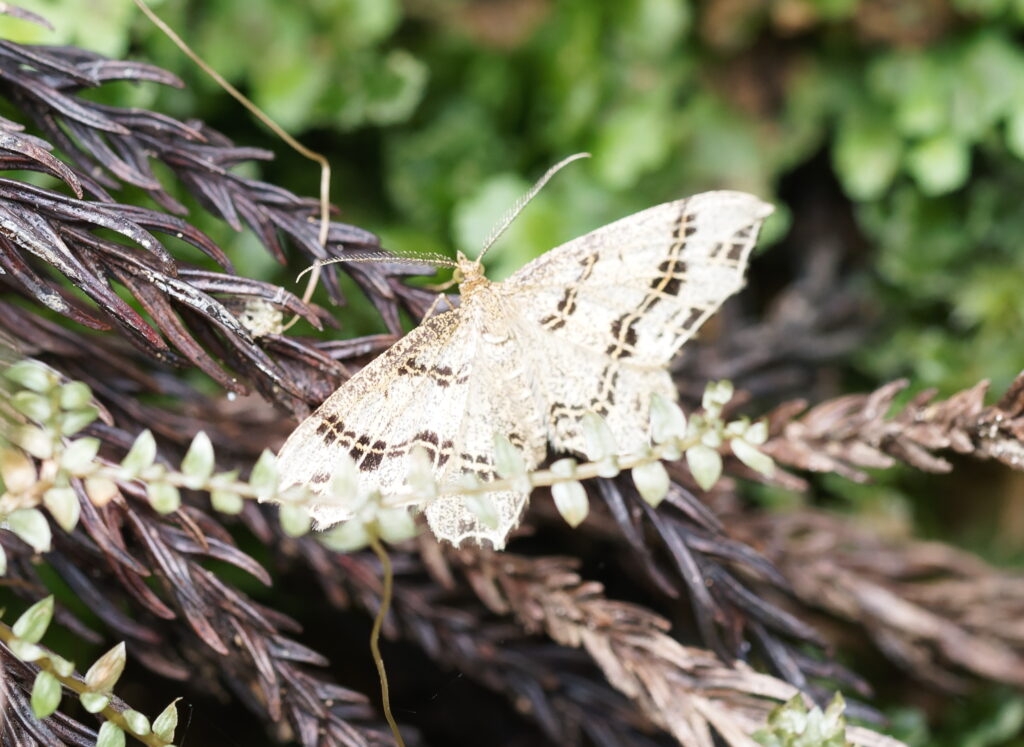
141,455
344,486
508,461
565,467
598,436
110,735
634,140
46,693
62,503
420,477
940,164
94,702
395,525
264,475
793,725
101,490
31,526
571,501
64,667
227,501
866,154
35,440
34,621
75,395
667,419
198,463
167,722
716,395
79,455
348,536
654,28
32,405
752,457
395,88
477,213
295,520
1015,132
705,465
652,482
17,471
103,675
370,21
32,375
72,422
757,433
137,722
26,651
483,508
569,496
163,497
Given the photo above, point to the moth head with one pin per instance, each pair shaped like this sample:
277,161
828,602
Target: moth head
469,274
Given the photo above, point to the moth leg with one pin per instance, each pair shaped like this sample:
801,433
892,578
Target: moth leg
441,297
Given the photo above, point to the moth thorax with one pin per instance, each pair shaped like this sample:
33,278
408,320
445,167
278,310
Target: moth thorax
472,280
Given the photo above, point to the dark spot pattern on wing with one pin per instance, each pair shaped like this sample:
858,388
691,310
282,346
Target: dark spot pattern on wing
567,305
443,376
667,283
731,251
368,454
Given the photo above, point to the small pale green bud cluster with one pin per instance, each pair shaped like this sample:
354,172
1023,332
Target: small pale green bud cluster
793,725
43,414
94,690
709,431
370,517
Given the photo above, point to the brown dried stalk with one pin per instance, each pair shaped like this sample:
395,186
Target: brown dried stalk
686,691
686,552
559,690
853,432
936,611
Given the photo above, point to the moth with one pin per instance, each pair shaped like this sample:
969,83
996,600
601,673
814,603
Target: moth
589,326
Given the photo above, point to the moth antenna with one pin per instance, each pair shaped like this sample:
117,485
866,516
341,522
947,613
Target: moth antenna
523,201
432,260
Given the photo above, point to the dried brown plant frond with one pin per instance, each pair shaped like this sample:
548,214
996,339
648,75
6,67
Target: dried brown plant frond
21,151
191,619
111,146
59,231
938,612
190,311
686,552
689,692
560,690
850,433
16,11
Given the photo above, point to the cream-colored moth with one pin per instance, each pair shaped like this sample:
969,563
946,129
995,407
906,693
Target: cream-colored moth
589,326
